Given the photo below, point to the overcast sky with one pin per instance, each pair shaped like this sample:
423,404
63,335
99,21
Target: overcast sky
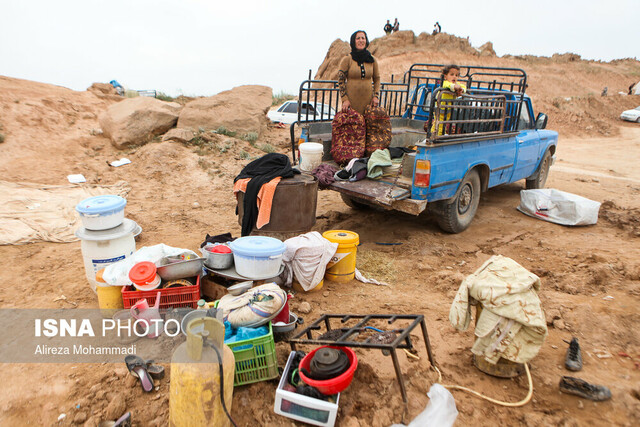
201,47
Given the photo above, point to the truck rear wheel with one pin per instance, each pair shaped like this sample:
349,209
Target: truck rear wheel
542,175
456,216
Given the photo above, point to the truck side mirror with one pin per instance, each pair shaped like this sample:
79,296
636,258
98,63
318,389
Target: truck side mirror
541,121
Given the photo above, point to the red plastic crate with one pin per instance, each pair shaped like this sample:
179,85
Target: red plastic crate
184,296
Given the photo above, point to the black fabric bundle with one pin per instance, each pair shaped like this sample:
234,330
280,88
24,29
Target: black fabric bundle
261,171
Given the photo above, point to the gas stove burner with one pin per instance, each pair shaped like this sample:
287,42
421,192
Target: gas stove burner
388,341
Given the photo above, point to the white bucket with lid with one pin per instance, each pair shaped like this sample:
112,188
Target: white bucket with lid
101,248
310,156
101,212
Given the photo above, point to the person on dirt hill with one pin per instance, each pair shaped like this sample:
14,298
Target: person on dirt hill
449,78
117,86
359,76
388,28
396,25
436,28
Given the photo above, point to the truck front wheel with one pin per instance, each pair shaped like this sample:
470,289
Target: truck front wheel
543,172
456,216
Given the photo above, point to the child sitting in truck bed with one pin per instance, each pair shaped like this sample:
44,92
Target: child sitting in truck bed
449,78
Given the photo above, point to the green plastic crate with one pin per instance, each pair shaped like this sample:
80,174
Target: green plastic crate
258,362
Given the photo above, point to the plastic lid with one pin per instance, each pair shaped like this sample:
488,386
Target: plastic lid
342,237
257,246
128,226
101,204
219,249
143,272
311,147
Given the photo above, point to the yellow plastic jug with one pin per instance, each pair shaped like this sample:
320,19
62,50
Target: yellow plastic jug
194,391
342,267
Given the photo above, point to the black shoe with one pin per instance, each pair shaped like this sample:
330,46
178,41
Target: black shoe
573,360
584,389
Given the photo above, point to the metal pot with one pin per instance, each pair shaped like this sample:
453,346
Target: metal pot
217,261
180,269
293,322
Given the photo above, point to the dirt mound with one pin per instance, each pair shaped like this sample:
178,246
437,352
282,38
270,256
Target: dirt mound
626,219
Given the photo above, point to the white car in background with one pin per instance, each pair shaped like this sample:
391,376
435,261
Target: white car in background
287,113
631,115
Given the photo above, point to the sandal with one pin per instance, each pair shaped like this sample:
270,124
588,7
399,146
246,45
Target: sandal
156,371
138,368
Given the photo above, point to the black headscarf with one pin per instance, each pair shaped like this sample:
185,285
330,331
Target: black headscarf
363,55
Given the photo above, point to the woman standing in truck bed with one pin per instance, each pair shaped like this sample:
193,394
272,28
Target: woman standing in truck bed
358,76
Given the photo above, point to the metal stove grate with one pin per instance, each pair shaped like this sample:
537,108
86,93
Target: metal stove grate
346,336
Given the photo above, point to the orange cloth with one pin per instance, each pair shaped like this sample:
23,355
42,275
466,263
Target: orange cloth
265,198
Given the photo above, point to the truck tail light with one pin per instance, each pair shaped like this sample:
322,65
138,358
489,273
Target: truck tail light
422,173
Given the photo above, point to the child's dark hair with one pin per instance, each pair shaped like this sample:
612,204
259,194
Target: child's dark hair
446,70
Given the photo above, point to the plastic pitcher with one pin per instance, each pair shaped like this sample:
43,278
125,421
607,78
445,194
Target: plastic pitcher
283,316
149,315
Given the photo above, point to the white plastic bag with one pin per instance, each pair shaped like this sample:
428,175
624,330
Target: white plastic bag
558,207
117,274
441,410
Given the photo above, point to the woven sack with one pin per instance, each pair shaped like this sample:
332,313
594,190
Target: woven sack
348,139
378,126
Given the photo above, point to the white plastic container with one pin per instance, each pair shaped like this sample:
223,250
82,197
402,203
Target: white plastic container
101,212
257,257
310,156
104,247
304,408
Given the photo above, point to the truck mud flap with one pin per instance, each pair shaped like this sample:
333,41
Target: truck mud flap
381,193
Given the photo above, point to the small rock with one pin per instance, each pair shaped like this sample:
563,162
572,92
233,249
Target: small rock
196,205
554,347
116,408
130,381
80,418
61,417
558,324
92,422
580,404
326,294
551,315
304,308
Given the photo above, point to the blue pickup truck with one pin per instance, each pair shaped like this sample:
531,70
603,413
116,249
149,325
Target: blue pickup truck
489,136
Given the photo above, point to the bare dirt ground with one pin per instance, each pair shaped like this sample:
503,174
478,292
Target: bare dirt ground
50,134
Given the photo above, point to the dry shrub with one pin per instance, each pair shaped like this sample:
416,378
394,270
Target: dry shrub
376,265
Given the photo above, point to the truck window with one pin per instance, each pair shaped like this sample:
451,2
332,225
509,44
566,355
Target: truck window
525,117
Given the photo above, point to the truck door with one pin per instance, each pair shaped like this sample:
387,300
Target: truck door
527,144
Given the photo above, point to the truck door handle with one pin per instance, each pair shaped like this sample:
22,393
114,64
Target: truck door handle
520,141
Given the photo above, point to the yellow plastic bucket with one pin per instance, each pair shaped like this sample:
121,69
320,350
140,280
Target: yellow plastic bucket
109,299
342,267
298,288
